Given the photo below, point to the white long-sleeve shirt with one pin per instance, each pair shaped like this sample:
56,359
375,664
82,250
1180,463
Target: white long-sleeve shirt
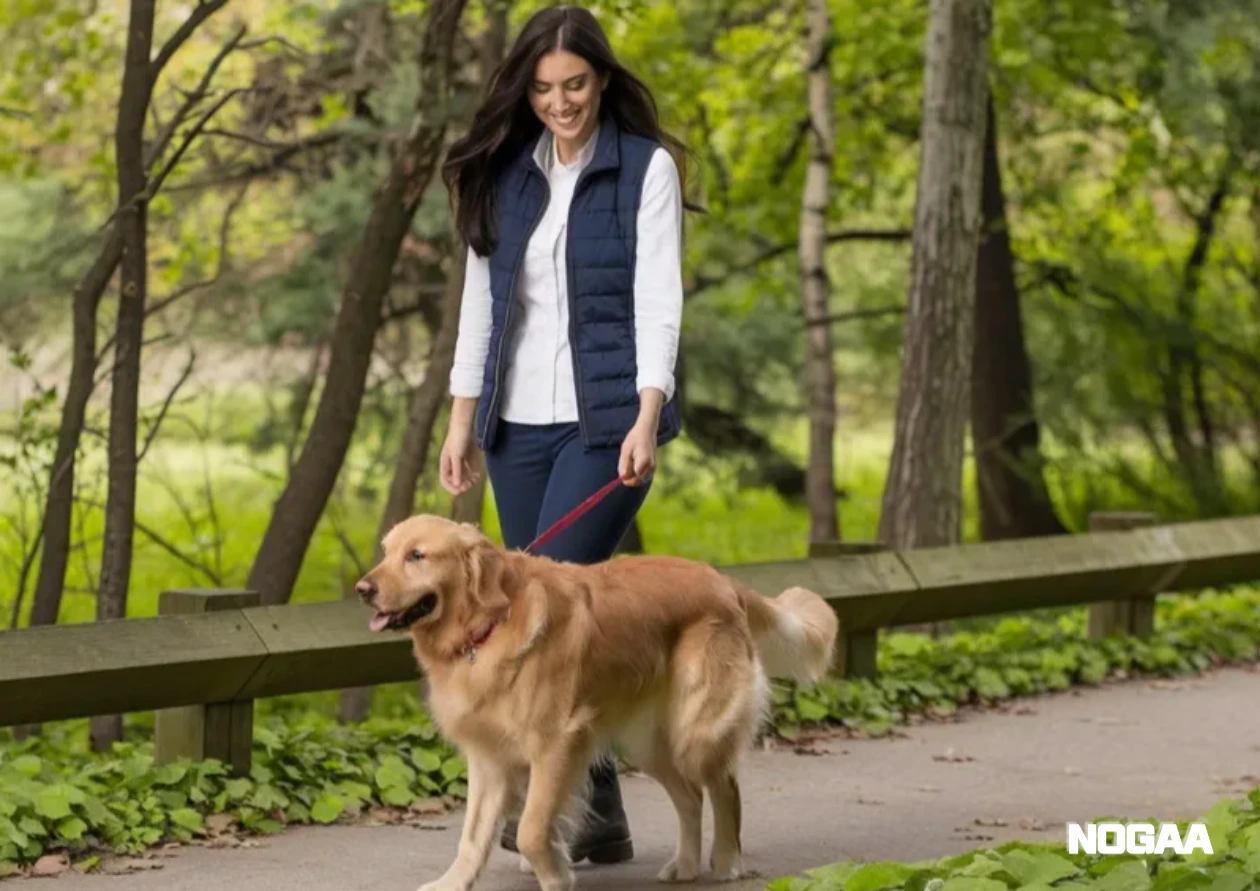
539,386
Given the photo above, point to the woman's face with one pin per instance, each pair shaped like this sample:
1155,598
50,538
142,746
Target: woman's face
565,95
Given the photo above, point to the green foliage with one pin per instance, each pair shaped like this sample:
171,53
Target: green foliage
1234,865
1023,656
54,796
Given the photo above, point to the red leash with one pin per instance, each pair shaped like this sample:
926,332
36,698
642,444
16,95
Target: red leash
574,515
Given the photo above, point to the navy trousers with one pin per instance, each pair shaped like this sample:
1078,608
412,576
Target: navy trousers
541,472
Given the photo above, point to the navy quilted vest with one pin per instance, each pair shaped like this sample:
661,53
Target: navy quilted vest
601,237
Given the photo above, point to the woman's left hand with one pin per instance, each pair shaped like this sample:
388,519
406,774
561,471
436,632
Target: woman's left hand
638,454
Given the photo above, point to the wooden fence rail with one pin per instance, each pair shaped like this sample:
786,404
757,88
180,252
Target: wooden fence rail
211,653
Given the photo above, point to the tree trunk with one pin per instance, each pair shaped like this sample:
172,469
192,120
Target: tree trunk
302,502
1010,482
59,507
922,504
120,506
815,297
413,455
1198,459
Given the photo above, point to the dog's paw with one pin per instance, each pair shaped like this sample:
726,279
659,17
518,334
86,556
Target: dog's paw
565,881
524,865
674,871
730,868
445,883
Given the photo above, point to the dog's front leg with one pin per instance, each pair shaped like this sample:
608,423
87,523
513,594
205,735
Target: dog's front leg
489,794
552,778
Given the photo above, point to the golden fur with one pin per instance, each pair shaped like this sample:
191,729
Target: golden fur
665,657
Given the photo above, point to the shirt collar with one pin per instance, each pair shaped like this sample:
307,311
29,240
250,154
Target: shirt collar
547,160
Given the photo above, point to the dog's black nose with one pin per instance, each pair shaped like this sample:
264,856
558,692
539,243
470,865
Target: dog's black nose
366,589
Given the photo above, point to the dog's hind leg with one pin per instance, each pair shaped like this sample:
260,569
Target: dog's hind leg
725,861
688,799
490,792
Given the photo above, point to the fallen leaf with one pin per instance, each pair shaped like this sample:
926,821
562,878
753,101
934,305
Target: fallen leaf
50,865
1167,685
1028,824
952,758
381,816
430,806
1024,710
983,821
868,801
929,788
807,750
218,824
119,866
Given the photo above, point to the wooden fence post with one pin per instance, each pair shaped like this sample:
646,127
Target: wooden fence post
1134,616
856,651
222,730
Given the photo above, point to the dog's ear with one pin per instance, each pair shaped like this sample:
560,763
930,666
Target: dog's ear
483,572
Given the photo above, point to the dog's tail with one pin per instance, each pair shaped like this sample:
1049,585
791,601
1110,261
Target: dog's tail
795,632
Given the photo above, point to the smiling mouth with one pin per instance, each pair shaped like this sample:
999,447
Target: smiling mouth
403,619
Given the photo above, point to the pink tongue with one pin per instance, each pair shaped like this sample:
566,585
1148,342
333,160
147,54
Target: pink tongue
379,622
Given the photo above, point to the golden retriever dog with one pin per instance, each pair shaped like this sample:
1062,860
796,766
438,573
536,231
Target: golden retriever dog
534,664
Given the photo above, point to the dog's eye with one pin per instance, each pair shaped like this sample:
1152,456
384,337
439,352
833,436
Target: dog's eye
415,556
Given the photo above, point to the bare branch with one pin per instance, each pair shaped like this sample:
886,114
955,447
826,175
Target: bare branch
155,184
166,404
275,38
703,283
204,10
854,314
193,98
170,547
252,171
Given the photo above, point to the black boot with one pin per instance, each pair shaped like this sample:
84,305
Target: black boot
604,837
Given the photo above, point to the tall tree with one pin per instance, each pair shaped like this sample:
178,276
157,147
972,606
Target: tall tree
1006,437
59,501
120,507
815,298
922,504
413,454
297,511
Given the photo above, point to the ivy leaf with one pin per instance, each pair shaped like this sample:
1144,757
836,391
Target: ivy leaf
327,809
52,803
188,819
72,829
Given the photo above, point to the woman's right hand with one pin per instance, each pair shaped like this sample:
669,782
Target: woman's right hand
453,467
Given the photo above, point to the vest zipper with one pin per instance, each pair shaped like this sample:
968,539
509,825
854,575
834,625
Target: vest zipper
572,299
507,312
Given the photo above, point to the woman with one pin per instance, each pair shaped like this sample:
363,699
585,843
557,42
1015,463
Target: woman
571,206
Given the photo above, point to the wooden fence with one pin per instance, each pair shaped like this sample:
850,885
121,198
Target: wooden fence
209,654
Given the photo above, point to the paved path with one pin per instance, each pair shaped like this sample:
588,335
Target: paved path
1167,750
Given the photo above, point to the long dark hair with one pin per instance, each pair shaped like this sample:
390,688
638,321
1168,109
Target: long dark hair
505,123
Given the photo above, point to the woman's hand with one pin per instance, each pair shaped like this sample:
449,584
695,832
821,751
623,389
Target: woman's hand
638,455
456,473
638,449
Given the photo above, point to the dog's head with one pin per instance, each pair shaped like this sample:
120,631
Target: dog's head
435,576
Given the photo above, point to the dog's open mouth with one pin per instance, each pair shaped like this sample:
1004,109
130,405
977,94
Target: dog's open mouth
403,619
